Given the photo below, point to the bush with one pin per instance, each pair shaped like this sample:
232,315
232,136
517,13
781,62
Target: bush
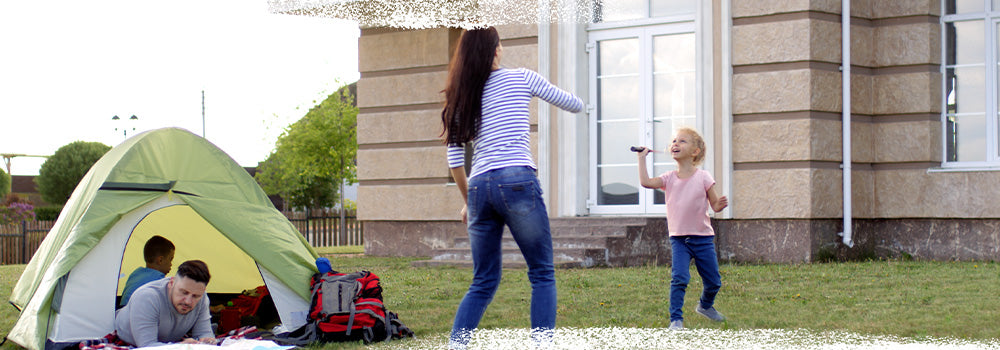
60,174
48,213
349,204
4,183
15,209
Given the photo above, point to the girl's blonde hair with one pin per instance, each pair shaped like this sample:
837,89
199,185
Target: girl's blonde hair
697,141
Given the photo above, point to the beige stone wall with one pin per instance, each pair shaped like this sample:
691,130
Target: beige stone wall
907,193
406,197
402,171
753,8
785,104
906,128
787,140
404,49
786,110
400,158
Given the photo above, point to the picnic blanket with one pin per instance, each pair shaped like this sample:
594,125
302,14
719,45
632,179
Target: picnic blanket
246,338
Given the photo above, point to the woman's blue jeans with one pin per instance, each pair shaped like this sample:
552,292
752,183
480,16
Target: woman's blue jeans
702,250
510,196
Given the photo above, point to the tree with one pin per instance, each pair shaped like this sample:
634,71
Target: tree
314,155
60,174
5,182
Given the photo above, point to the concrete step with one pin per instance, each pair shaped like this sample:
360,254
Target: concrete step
576,242
612,226
584,241
588,256
506,264
598,220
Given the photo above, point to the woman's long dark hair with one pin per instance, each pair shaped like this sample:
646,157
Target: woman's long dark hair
470,68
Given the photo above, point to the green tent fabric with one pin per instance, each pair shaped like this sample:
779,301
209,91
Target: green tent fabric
171,166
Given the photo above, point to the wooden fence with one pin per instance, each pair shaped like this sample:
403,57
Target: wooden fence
325,229
18,241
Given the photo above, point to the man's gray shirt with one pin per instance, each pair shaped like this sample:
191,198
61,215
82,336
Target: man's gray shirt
150,319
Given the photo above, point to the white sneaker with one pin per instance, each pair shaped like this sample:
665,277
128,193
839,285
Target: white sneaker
676,325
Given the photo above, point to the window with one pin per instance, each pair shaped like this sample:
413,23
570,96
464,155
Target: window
970,125
643,84
622,10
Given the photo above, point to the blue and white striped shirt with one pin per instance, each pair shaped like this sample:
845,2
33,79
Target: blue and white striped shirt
503,139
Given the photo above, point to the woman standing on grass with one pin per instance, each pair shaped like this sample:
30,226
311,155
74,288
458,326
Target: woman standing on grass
487,107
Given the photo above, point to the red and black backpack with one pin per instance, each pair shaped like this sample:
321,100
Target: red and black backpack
347,307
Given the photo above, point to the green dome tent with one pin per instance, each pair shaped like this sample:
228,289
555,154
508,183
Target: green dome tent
166,182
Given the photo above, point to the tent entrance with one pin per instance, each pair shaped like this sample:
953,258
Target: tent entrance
232,270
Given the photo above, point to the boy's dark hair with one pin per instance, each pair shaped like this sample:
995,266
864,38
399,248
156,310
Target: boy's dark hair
156,246
194,269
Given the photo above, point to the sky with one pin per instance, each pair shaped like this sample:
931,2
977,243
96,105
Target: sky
68,67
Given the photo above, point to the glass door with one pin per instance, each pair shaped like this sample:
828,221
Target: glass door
644,87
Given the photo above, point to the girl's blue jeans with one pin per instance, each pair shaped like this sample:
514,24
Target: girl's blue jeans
702,250
510,196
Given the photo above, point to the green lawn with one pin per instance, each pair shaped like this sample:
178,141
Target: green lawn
901,298
349,249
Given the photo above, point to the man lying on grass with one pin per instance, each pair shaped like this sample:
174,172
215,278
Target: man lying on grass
167,310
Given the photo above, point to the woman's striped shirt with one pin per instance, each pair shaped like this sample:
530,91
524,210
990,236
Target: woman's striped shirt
503,139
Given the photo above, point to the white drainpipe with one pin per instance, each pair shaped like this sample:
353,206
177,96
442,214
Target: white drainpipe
845,22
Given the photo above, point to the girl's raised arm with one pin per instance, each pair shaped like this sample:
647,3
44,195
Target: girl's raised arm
644,178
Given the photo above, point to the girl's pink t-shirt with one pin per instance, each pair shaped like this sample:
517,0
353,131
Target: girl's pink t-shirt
687,203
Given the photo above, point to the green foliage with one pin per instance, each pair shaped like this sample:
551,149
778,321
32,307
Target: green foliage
313,155
315,192
350,206
48,213
342,249
5,183
15,209
60,174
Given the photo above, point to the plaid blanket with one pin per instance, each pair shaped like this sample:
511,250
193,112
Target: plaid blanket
109,342
112,342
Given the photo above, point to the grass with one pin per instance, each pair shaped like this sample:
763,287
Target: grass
901,298
348,249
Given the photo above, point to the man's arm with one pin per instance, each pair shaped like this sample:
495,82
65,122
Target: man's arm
144,320
202,329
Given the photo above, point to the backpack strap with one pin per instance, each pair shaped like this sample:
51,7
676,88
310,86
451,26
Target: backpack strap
368,336
355,311
395,328
350,320
307,336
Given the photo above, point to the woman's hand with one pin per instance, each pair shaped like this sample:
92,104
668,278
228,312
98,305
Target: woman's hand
465,214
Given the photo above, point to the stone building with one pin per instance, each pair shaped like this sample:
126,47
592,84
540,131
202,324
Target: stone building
761,80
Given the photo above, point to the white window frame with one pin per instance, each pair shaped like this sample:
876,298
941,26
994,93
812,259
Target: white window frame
991,21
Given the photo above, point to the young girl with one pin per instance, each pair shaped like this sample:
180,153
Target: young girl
689,193
487,106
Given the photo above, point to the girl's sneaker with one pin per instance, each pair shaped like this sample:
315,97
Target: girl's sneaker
710,313
676,325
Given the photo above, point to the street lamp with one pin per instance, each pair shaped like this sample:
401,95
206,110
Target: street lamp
133,119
